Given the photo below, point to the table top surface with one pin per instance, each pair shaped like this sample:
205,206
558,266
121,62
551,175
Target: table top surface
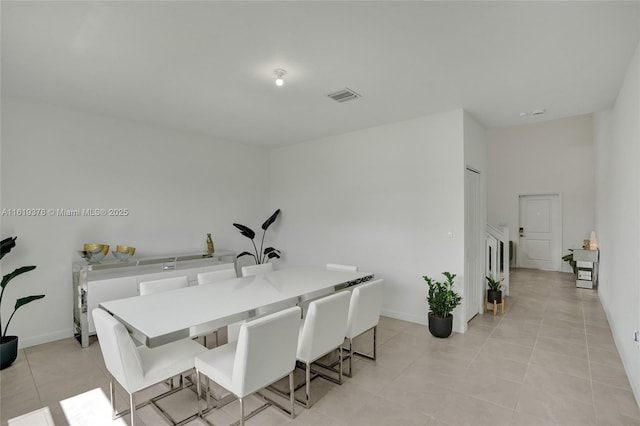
162,317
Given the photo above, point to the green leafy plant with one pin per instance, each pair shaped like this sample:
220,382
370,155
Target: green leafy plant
494,284
569,258
442,298
261,256
6,245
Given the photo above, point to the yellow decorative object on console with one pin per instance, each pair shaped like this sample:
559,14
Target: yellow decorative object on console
210,248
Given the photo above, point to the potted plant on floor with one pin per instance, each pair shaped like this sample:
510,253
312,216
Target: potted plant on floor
442,299
9,344
569,258
494,294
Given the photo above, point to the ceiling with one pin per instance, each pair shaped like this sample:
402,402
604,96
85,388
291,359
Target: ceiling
208,67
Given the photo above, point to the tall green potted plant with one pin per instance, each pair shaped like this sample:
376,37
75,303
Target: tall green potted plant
442,299
9,344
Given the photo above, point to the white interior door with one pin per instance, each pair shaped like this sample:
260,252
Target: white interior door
473,274
540,241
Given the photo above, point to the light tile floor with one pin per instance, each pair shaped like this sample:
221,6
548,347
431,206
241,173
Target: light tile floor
550,360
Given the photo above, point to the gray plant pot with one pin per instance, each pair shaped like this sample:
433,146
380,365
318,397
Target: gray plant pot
8,351
494,295
440,327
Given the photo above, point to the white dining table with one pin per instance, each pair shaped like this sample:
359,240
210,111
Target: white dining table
161,318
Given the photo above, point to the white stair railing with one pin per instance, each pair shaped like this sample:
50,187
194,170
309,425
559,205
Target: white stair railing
497,262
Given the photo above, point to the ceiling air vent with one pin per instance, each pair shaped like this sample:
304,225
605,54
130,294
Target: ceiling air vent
343,95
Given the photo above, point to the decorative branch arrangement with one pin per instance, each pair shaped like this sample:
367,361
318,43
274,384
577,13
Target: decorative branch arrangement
262,256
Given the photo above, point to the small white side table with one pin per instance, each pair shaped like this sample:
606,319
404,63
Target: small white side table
586,267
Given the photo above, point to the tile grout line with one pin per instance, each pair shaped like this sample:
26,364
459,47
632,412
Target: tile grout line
586,338
26,358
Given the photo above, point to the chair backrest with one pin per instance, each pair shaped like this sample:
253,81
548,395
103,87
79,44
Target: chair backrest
266,350
120,354
215,276
324,326
165,284
248,271
338,267
364,308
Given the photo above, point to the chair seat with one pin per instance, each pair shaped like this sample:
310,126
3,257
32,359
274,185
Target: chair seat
167,360
322,332
263,354
217,364
137,368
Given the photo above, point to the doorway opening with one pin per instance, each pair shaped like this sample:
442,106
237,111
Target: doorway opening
540,232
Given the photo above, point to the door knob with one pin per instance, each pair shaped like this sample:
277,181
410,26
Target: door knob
521,232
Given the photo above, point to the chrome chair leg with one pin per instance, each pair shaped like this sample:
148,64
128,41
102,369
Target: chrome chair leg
292,395
375,345
350,356
340,356
241,411
112,396
353,352
198,393
307,388
132,403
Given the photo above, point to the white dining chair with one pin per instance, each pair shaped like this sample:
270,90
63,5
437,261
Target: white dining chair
250,270
321,333
137,368
339,267
264,353
307,298
216,276
364,315
210,278
164,284
233,330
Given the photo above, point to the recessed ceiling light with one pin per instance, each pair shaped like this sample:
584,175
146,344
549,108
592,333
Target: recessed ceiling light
522,114
279,74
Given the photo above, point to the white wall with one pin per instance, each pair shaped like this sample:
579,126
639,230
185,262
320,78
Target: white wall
383,198
618,217
549,157
177,187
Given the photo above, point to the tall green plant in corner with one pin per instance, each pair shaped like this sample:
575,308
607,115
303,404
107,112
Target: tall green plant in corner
9,344
260,256
7,244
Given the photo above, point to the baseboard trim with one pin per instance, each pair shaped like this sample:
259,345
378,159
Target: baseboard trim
43,338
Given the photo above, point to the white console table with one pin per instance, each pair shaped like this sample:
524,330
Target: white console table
112,280
586,267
